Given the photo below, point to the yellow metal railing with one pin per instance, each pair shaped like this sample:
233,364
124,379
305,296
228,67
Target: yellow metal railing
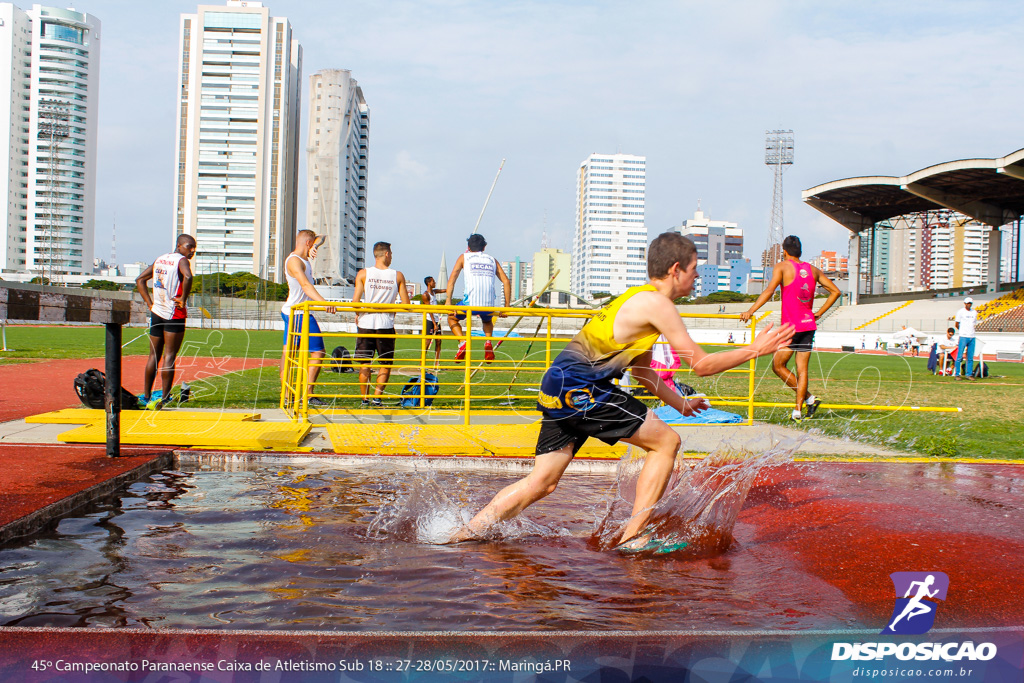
459,386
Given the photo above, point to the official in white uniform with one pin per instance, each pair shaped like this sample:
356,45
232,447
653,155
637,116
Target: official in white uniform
481,269
379,284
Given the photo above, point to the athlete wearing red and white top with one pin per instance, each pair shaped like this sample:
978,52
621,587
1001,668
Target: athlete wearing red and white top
798,280
481,269
172,283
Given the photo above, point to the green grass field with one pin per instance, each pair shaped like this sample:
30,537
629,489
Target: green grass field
989,426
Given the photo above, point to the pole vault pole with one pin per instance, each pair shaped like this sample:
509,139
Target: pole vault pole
480,217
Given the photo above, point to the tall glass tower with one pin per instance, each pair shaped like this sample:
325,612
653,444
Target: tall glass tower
49,74
238,138
609,247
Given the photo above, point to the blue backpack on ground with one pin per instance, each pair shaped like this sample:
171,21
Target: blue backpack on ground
411,391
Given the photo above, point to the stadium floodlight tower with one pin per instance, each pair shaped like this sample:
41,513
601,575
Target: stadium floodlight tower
778,153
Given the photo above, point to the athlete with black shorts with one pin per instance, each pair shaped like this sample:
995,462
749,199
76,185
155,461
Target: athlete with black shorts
433,326
798,280
379,284
172,283
578,400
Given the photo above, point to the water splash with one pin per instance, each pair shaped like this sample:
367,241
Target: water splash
429,507
701,503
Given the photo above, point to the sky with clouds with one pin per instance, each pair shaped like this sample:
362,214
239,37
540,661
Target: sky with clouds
454,86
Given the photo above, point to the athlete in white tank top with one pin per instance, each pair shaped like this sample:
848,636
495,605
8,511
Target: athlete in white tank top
378,284
300,290
172,284
296,295
166,286
481,269
380,287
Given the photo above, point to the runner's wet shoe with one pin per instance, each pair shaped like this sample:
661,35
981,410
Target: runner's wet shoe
461,353
315,402
488,352
812,408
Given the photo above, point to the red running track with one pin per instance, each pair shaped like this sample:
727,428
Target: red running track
841,529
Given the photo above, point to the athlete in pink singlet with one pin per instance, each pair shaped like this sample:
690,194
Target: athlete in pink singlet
798,280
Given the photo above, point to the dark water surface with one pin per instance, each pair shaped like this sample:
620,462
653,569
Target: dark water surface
313,546
273,546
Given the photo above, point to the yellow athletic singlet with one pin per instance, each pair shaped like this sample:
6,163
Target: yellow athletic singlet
581,374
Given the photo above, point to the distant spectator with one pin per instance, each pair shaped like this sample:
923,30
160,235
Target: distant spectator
966,318
863,341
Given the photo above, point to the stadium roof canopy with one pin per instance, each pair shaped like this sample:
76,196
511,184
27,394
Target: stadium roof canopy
988,190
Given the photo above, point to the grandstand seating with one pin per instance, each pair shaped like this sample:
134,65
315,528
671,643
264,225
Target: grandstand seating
1009,321
1003,304
887,313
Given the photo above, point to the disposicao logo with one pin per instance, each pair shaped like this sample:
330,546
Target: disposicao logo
914,614
916,593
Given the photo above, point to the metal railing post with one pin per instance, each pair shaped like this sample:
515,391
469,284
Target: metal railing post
753,375
303,388
468,377
424,345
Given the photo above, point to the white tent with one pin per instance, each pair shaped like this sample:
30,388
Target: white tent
908,334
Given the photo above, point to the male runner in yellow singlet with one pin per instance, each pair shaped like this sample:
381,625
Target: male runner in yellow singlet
578,400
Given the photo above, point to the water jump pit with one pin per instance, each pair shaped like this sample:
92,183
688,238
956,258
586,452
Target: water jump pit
304,544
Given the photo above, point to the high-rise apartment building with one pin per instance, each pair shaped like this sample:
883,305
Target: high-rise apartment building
238,137
609,246
520,273
831,262
717,242
49,77
339,138
929,250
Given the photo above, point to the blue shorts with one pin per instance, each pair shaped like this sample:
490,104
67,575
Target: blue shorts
315,343
485,316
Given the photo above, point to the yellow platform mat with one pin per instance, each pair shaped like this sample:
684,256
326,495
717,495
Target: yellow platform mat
233,435
521,441
389,439
84,416
477,440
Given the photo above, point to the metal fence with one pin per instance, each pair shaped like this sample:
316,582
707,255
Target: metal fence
469,385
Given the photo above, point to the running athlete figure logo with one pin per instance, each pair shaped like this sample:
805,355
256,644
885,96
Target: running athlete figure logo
917,615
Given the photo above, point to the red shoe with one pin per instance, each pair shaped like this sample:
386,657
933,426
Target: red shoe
461,353
488,352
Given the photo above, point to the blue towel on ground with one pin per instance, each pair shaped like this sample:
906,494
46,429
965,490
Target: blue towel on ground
670,415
